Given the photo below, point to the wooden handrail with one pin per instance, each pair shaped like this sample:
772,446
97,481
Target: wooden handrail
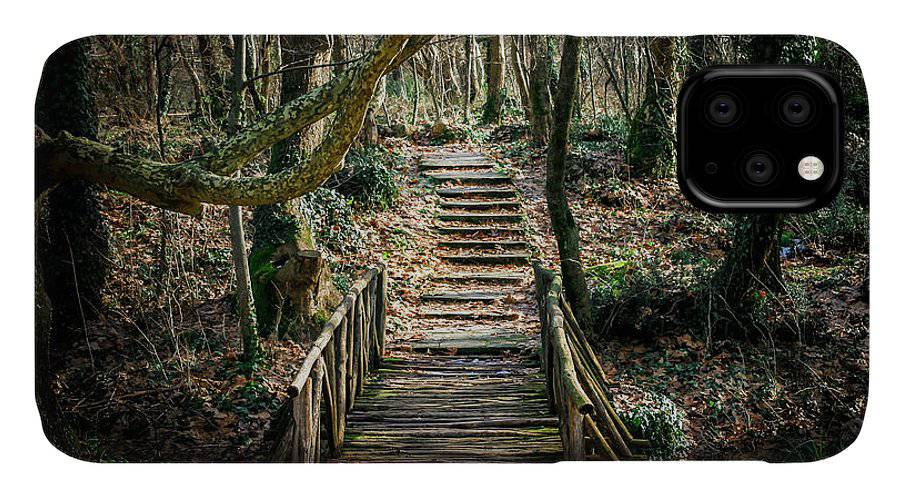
333,373
578,390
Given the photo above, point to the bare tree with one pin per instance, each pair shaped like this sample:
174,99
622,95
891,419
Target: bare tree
246,312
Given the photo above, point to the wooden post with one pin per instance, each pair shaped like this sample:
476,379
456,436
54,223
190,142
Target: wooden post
352,353
340,383
382,313
315,408
358,351
331,416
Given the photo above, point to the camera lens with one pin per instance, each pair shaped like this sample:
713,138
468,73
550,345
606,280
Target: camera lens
796,109
722,109
759,168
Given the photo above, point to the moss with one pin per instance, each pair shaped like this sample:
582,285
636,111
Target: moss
262,269
320,318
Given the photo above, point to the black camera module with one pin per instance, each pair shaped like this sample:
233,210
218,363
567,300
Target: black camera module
760,169
744,133
797,109
723,109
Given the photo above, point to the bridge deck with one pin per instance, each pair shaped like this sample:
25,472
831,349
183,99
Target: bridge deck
468,389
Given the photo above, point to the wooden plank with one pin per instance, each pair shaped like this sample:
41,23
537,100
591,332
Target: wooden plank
494,231
483,259
487,277
484,244
481,218
467,315
469,296
494,193
432,166
471,177
480,205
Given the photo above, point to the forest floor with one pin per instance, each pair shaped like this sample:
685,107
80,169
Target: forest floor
160,380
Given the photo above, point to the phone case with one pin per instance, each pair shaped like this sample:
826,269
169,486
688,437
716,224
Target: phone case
448,248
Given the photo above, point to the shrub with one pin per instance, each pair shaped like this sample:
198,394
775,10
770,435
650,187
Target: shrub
792,313
330,217
630,299
609,134
842,225
369,177
659,420
444,133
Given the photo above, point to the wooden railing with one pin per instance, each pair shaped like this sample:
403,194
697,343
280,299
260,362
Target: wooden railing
333,374
576,383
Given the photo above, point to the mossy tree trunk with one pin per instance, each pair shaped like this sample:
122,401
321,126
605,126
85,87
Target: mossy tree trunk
291,279
212,59
369,133
71,240
493,104
539,90
754,261
564,226
650,146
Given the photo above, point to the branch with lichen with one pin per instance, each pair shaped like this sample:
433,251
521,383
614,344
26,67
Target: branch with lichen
186,186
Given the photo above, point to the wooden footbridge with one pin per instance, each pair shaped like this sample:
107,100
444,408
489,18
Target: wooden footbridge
480,383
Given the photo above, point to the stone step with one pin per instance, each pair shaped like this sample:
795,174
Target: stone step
482,230
470,296
480,205
496,193
487,277
467,315
481,217
483,259
472,177
484,244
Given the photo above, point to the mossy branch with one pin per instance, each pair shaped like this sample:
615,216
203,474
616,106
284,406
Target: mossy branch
185,186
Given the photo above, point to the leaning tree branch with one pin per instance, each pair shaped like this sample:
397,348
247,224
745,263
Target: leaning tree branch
185,186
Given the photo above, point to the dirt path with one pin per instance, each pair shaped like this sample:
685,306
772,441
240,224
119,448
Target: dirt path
465,385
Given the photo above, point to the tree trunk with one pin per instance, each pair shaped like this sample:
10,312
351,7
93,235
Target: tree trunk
212,60
493,104
71,240
470,60
246,312
521,76
369,133
754,260
539,90
472,67
696,54
564,226
651,137
291,280
415,76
